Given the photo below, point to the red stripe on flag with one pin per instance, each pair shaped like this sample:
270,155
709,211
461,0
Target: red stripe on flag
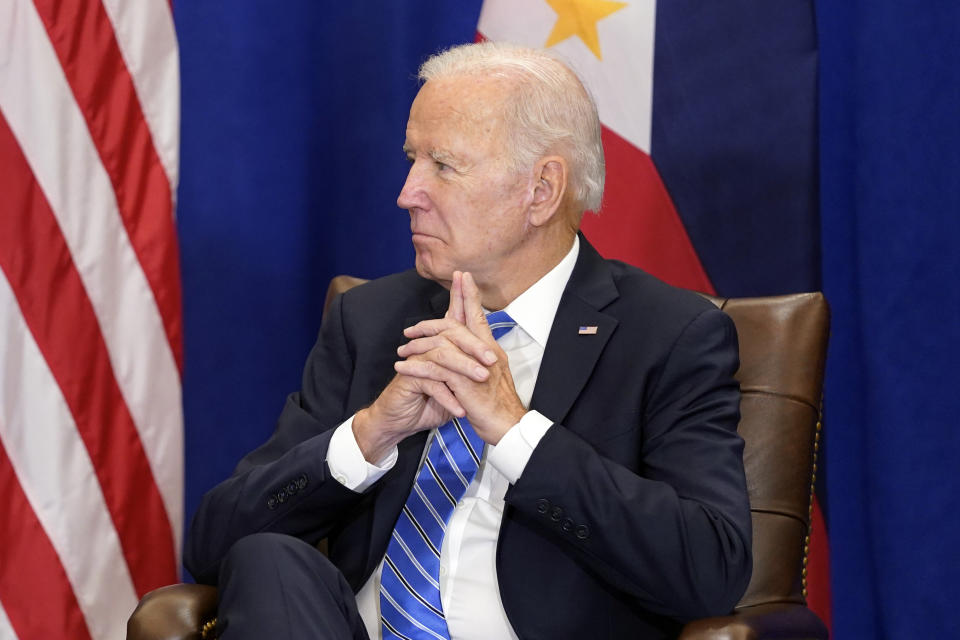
638,222
31,572
83,37
818,566
38,264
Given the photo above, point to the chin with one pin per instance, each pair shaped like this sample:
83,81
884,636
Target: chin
426,270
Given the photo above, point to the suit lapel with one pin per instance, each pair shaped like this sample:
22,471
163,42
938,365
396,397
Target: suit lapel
570,356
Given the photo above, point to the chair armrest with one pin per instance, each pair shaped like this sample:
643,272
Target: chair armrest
177,612
782,621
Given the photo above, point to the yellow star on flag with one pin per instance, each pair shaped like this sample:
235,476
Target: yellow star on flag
579,18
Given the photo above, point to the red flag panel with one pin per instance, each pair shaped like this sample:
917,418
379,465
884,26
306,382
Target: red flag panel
638,222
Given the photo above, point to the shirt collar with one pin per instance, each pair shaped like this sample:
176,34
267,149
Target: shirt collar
534,309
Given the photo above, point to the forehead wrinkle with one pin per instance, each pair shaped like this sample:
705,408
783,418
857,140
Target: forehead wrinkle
468,101
469,106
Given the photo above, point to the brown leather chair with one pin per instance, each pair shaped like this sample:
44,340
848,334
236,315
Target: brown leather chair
783,343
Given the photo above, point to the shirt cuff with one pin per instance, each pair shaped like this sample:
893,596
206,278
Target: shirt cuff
511,454
347,464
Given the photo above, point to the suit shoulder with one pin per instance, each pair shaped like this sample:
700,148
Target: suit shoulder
403,292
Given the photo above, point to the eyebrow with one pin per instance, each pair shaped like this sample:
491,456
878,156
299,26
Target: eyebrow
438,155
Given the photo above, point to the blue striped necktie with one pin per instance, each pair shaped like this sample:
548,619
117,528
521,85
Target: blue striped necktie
410,605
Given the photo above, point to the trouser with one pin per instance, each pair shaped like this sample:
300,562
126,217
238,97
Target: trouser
277,587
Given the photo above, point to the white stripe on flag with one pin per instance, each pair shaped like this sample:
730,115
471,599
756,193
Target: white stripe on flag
621,83
148,43
58,479
42,112
6,629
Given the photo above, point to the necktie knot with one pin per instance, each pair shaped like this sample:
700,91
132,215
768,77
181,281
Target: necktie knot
500,323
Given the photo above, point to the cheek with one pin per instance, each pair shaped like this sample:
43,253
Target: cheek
483,218
503,214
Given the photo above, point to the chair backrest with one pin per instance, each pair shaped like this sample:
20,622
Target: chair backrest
783,345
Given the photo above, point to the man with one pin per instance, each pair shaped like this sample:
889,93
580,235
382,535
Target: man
606,495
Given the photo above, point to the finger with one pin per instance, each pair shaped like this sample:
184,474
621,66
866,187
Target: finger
443,366
431,327
459,338
443,396
455,310
476,320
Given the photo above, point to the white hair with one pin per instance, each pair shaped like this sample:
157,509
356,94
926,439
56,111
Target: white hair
550,111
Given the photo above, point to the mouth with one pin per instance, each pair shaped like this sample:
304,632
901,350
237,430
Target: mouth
420,236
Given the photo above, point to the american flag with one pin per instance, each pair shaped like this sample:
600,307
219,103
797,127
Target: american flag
91,428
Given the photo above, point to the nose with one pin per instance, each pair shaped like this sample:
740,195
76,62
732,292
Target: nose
412,194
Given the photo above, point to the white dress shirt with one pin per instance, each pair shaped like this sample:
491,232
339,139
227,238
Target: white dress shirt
468,575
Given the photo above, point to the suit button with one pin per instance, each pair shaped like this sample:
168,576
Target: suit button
543,505
556,514
302,481
281,496
272,503
292,488
582,532
567,525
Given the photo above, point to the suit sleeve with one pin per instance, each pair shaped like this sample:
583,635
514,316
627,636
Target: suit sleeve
285,485
674,535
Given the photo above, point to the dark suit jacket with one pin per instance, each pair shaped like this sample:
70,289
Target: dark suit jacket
630,517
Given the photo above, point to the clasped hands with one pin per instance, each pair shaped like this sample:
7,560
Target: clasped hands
452,367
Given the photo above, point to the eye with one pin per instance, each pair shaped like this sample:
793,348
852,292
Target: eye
440,165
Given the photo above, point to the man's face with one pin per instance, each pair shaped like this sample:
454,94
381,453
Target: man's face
467,206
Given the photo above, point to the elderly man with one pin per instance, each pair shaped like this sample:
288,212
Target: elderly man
565,467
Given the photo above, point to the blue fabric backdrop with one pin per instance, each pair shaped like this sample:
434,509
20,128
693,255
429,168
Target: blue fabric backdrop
292,128
293,118
890,176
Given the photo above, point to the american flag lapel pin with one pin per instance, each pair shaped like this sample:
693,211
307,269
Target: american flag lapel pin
587,330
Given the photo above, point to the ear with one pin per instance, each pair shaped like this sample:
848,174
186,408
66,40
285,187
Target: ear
550,185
